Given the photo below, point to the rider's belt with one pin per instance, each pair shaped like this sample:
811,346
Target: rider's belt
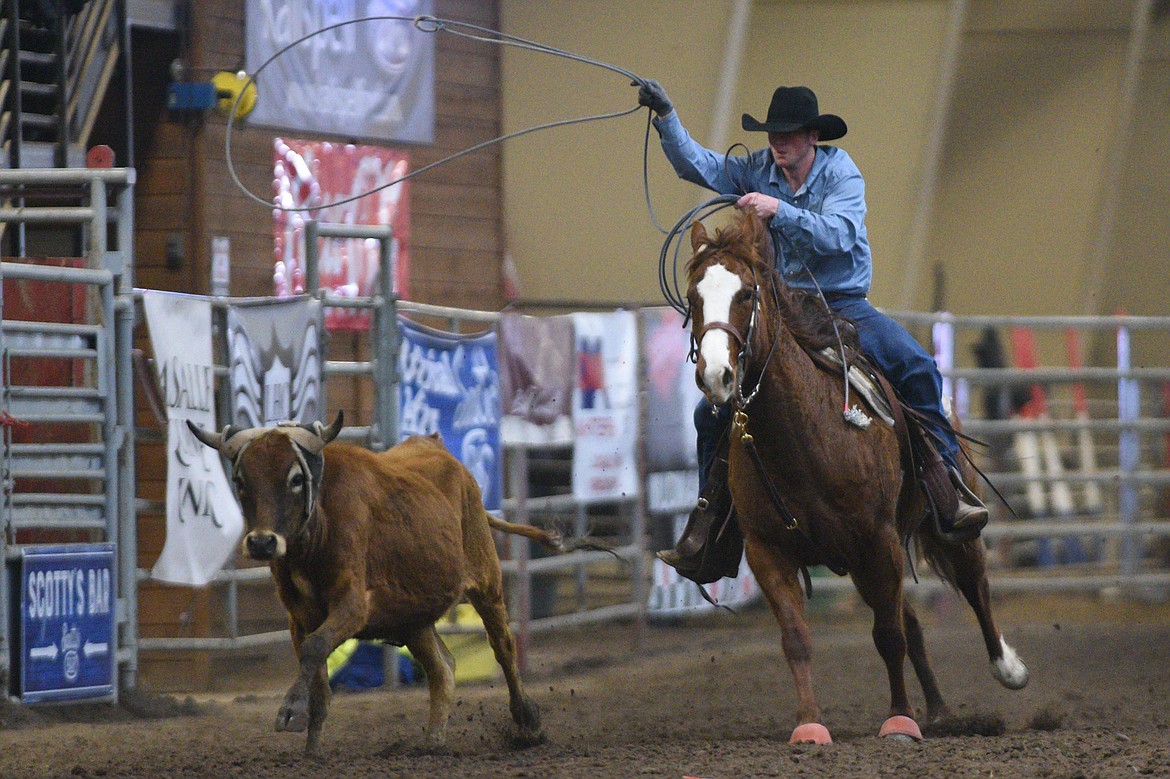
833,297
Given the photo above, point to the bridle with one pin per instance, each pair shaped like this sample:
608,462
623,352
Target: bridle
739,421
744,343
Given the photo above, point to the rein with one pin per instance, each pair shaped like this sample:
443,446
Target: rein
740,421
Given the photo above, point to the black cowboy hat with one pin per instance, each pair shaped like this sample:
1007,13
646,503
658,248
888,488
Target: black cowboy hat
795,108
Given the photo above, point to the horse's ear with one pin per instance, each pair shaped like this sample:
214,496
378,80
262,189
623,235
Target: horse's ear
698,236
761,236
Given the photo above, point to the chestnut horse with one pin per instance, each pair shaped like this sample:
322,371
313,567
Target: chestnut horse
808,487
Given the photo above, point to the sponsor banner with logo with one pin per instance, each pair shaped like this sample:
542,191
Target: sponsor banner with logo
450,384
536,379
203,519
671,392
274,362
672,479
605,406
373,79
671,595
313,173
66,622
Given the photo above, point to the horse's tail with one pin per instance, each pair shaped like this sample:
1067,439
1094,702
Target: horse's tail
943,558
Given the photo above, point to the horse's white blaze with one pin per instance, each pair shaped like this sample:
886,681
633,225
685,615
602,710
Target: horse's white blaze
1009,669
717,288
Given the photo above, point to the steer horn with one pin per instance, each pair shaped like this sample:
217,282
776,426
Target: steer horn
232,439
214,440
313,437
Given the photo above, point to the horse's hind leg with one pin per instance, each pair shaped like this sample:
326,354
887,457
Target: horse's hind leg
777,578
965,566
936,707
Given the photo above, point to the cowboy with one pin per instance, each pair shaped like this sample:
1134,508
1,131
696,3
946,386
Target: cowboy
812,197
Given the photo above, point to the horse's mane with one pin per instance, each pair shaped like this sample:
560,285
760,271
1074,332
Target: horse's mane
805,314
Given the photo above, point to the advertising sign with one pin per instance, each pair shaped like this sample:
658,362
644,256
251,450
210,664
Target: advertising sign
373,79
605,406
450,384
67,596
203,519
312,174
274,362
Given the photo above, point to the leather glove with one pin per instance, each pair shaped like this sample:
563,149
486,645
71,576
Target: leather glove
653,95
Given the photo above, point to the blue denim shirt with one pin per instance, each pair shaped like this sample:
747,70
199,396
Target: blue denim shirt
821,227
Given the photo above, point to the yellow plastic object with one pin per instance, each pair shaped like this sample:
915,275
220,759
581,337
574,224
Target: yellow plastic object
474,659
340,656
233,83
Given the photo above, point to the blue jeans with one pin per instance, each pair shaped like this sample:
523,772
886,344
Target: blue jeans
908,366
710,424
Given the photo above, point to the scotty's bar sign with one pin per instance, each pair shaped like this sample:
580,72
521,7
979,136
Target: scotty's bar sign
66,622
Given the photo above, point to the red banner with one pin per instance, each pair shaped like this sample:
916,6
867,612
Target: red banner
315,173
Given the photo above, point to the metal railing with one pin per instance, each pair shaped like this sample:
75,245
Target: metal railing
381,370
103,402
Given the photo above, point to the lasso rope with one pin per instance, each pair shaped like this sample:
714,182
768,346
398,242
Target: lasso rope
668,261
431,24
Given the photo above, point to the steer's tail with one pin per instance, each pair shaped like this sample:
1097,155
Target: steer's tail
549,539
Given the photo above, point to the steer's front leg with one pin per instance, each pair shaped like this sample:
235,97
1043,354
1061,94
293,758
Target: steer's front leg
306,704
293,715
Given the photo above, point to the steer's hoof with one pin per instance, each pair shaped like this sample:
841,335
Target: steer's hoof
900,728
810,733
292,719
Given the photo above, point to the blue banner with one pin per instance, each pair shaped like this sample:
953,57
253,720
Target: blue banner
450,384
67,622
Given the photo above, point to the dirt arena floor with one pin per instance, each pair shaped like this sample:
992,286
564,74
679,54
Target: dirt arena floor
707,697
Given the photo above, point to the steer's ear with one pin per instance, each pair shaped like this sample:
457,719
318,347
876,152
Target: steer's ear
214,440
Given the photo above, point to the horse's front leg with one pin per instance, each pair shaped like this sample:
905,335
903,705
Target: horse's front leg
936,706
777,577
879,581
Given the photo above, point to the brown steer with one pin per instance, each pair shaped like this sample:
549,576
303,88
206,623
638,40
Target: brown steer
373,546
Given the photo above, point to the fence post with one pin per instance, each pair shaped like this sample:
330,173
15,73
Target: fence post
1129,453
518,487
387,348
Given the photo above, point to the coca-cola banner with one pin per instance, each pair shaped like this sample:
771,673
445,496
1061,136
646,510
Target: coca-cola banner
315,173
373,80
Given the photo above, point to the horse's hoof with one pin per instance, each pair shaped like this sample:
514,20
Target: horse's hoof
1009,669
810,733
900,728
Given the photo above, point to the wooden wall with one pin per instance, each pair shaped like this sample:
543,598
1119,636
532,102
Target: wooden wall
185,196
185,189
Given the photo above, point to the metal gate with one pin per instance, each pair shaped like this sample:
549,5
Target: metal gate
68,518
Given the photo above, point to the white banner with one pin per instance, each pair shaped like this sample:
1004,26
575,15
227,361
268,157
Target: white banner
203,520
605,406
671,595
372,79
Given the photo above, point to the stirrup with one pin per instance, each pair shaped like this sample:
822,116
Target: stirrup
971,528
971,512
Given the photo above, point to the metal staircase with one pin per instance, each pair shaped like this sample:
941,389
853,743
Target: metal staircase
57,58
